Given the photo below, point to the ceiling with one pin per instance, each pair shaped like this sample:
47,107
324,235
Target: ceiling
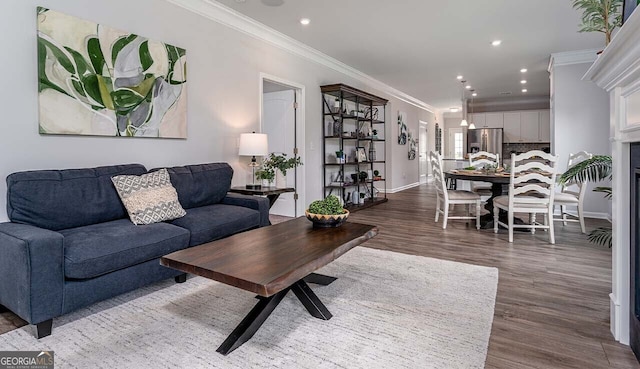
420,46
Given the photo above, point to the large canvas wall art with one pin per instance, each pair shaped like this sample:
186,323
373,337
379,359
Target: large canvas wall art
402,128
96,80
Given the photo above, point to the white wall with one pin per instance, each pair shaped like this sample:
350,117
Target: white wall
223,95
580,122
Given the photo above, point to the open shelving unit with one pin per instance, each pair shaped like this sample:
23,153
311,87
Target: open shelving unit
353,119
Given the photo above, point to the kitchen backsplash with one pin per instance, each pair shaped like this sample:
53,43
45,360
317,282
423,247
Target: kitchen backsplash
517,148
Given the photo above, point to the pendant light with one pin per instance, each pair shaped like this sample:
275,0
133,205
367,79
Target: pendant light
464,121
471,125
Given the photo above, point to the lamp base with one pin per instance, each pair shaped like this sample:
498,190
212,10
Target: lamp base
253,187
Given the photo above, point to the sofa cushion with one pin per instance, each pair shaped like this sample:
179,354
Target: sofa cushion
149,198
98,249
209,223
61,199
202,184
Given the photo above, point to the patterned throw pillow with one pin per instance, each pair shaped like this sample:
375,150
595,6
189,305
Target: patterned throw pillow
149,198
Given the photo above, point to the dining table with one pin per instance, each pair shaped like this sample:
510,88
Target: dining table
499,186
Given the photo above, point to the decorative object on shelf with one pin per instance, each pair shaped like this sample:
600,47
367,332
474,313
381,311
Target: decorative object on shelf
361,154
327,213
253,144
340,157
99,81
372,152
376,175
600,16
336,105
371,113
276,164
413,147
337,127
375,134
402,128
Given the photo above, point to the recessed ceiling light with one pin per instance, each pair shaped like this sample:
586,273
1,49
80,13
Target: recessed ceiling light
524,90
523,70
496,43
467,87
305,21
459,77
474,94
454,110
524,81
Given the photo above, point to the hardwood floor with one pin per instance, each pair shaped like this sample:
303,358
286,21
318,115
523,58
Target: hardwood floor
552,308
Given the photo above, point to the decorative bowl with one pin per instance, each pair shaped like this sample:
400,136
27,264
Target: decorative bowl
327,220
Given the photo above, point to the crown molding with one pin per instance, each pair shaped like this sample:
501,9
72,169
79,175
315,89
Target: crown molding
224,15
619,63
572,57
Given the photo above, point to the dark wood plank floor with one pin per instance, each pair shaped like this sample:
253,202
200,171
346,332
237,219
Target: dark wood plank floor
552,308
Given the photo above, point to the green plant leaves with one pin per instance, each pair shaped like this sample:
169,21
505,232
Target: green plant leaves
145,56
601,236
595,169
119,45
95,55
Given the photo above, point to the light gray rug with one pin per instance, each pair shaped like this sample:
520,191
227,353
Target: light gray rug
390,310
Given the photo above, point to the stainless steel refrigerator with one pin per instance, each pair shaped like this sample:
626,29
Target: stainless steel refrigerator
485,139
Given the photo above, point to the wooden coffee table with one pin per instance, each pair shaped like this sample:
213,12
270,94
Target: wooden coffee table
271,261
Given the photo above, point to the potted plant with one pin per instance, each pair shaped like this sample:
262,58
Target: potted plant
600,16
275,163
327,213
595,169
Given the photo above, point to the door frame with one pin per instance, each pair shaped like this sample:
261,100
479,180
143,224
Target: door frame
427,175
300,93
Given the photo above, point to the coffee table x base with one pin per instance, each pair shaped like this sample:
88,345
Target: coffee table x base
253,321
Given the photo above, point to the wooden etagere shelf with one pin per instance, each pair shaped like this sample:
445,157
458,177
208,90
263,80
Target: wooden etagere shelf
354,120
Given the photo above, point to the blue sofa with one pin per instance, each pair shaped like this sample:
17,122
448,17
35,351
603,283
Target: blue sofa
70,242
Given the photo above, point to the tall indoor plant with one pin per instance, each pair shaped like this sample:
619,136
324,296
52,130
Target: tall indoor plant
596,169
600,16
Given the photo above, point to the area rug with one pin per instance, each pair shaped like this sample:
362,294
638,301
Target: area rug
390,310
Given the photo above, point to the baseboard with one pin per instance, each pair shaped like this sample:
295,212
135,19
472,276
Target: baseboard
394,190
614,316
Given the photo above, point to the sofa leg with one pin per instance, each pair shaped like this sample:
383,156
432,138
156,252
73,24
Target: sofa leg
44,329
181,278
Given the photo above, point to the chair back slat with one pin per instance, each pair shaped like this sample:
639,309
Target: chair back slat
540,184
438,174
482,158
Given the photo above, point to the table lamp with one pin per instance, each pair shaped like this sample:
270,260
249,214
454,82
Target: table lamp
253,144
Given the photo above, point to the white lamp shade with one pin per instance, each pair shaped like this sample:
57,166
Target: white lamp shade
464,123
253,144
472,126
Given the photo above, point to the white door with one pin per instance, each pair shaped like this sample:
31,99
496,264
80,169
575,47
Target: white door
278,122
423,149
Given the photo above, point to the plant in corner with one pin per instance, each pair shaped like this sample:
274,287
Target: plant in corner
596,169
600,16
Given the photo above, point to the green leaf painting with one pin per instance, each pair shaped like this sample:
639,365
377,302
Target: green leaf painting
96,80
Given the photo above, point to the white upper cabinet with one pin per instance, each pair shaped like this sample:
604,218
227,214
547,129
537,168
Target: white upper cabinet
544,134
494,120
512,126
479,119
529,126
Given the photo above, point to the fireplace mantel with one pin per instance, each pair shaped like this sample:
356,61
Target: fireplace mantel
617,70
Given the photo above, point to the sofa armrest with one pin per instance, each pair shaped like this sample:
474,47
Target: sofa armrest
31,271
252,202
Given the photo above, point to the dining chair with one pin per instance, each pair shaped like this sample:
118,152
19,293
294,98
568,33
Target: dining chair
572,194
446,197
481,159
531,190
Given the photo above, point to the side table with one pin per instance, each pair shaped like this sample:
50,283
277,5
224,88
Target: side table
272,193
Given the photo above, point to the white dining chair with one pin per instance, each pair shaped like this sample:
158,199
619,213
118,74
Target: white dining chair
479,160
446,198
531,190
572,194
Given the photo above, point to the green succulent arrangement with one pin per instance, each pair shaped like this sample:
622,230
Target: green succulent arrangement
329,206
277,162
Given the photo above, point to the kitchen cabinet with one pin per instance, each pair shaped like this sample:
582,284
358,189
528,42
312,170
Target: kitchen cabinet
479,119
494,120
544,133
529,126
512,127
519,126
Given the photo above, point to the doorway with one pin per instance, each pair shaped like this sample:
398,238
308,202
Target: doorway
282,119
455,144
423,149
